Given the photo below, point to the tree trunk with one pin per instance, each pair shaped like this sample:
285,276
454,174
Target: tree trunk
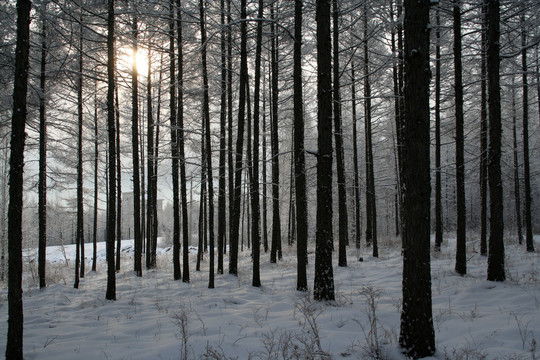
206,114
111,205
135,149
118,181
461,241
517,195
80,225
174,147
14,345
438,187
495,271
181,147
483,135
96,162
236,208
299,155
343,221
230,159
417,336
222,226
357,205
42,188
526,163
323,289
371,208
275,251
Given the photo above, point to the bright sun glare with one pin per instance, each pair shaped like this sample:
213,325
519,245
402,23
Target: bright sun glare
126,60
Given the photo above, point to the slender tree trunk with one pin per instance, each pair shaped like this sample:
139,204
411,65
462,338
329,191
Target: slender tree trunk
14,344
135,148
222,226
299,155
371,208
461,241
230,159
96,162
235,225
438,187
343,221
357,205
42,188
111,205
526,163
483,135
206,114
254,173
181,147
517,195
151,202
417,336
397,100
174,146
323,289
496,270
275,252
118,182
80,224
264,177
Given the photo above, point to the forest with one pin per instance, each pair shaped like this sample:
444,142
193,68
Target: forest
235,132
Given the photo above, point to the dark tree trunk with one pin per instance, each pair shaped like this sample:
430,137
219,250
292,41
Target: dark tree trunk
181,148
151,163
206,114
14,345
118,181
264,177
343,221
230,159
275,251
483,135
235,225
96,162
517,193
357,205
137,236
397,100
495,271
42,188
174,146
111,205
526,163
461,249
254,173
371,208
438,187
299,155
79,237
417,337
323,288
222,226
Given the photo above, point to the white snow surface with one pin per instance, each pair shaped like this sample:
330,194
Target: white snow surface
155,317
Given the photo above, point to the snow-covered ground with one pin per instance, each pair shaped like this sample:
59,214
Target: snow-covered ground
155,317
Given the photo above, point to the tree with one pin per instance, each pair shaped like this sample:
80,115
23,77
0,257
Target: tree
461,255
299,154
254,173
483,134
343,221
135,146
111,206
275,249
14,345
438,185
42,187
79,241
96,161
417,337
323,288
208,147
526,163
495,271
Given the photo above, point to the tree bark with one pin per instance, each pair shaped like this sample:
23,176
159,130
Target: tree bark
461,241
357,205
222,226
517,193
438,187
323,289
14,345
417,337
495,271
483,135
79,237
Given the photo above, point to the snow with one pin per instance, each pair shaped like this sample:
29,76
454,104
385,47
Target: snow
155,317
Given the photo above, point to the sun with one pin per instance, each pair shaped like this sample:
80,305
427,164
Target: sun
126,60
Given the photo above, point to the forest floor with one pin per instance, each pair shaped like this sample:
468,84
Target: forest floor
155,317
